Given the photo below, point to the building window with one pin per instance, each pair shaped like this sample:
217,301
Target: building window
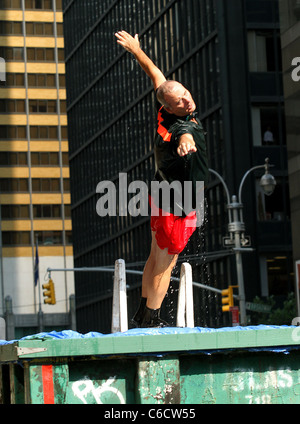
60,55
50,238
262,11
38,4
62,80
276,270
14,80
67,211
46,80
10,4
46,185
48,158
40,54
268,125
66,185
68,237
44,158
60,29
12,132
13,158
42,106
45,238
12,53
14,238
11,185
264,51
41,80
15,211
43,132
12,106
47,211
64,133
39,28
11,28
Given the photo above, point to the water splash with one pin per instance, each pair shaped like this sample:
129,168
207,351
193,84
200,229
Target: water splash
195,254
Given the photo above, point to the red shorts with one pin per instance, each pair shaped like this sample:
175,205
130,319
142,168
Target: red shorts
172,232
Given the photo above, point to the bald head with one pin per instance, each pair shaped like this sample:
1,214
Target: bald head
164,88
175,98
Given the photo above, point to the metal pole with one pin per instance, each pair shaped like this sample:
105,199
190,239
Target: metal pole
225,188
40,312
223,183
240,277
297,282
2,329
244,178
237,228
9,318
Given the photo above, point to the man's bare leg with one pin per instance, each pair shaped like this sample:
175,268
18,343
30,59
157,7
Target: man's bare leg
155,283
157,274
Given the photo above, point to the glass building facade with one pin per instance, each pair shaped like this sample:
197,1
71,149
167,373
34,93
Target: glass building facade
228,55
290,43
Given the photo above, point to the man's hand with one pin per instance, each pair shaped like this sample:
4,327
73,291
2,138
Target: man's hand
129,43
132,45
186,145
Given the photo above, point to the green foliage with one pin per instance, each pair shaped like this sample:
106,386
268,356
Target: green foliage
277,316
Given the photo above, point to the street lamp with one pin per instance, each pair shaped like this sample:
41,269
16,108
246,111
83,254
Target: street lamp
236,226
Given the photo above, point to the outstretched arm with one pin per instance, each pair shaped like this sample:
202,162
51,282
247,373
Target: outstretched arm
132,45
186,145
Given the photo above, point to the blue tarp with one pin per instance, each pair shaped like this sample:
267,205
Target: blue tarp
69,334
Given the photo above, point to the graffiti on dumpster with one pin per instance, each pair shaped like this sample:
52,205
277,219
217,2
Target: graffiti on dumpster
255,386
84,389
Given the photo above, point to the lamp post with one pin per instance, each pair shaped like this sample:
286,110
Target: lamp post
236,225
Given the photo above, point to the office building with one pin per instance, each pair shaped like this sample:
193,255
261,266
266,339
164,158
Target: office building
290,43
34,170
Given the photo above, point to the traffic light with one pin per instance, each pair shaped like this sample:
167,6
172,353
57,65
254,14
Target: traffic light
227,299
49,293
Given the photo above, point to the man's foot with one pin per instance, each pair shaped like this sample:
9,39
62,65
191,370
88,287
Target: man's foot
151,319
138,317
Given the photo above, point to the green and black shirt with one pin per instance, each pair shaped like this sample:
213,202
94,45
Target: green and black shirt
169,165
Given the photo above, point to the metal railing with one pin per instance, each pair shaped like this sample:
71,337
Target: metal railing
119,323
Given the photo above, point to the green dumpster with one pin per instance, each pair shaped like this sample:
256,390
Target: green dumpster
237,365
